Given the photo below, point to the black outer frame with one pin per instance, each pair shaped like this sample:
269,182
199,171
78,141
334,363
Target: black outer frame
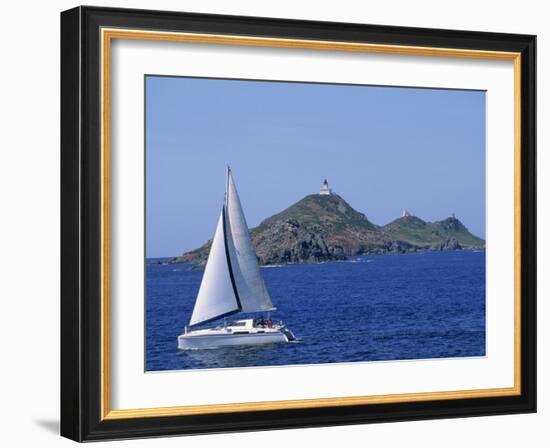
80,223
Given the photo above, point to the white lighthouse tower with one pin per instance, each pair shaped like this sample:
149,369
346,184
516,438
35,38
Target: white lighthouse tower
325,190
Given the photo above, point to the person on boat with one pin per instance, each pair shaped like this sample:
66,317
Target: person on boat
269,322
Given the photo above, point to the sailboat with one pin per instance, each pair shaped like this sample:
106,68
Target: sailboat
232,283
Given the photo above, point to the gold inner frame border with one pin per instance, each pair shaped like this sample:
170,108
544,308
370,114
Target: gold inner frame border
107,35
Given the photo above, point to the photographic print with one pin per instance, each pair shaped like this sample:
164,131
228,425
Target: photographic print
305,223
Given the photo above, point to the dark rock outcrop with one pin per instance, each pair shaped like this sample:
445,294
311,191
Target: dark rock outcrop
288,241
450,243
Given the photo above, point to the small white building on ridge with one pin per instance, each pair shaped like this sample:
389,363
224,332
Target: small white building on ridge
325,190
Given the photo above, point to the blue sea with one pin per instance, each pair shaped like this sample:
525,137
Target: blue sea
371,308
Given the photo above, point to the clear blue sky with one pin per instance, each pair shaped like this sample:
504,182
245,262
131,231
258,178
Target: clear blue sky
382,149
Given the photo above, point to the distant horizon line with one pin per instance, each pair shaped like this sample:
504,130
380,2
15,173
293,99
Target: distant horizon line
343,261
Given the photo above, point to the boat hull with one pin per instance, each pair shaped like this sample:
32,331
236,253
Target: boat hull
215,339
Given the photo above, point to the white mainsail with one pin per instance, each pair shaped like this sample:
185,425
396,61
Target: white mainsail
217,295
251,289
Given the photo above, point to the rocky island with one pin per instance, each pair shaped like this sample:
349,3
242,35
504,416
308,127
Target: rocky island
324,227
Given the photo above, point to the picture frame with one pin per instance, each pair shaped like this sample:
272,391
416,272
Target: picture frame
86,209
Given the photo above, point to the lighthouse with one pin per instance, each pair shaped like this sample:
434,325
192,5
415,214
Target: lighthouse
325,190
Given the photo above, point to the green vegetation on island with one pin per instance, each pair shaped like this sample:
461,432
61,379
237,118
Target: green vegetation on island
420,233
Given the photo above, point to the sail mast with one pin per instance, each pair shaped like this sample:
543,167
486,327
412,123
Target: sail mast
226,238
252,292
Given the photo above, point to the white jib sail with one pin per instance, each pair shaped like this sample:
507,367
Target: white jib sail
253,294
216,296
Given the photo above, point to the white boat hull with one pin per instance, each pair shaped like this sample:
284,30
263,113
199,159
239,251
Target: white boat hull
225,337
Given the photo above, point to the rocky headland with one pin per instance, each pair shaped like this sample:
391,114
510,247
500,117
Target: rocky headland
322,228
